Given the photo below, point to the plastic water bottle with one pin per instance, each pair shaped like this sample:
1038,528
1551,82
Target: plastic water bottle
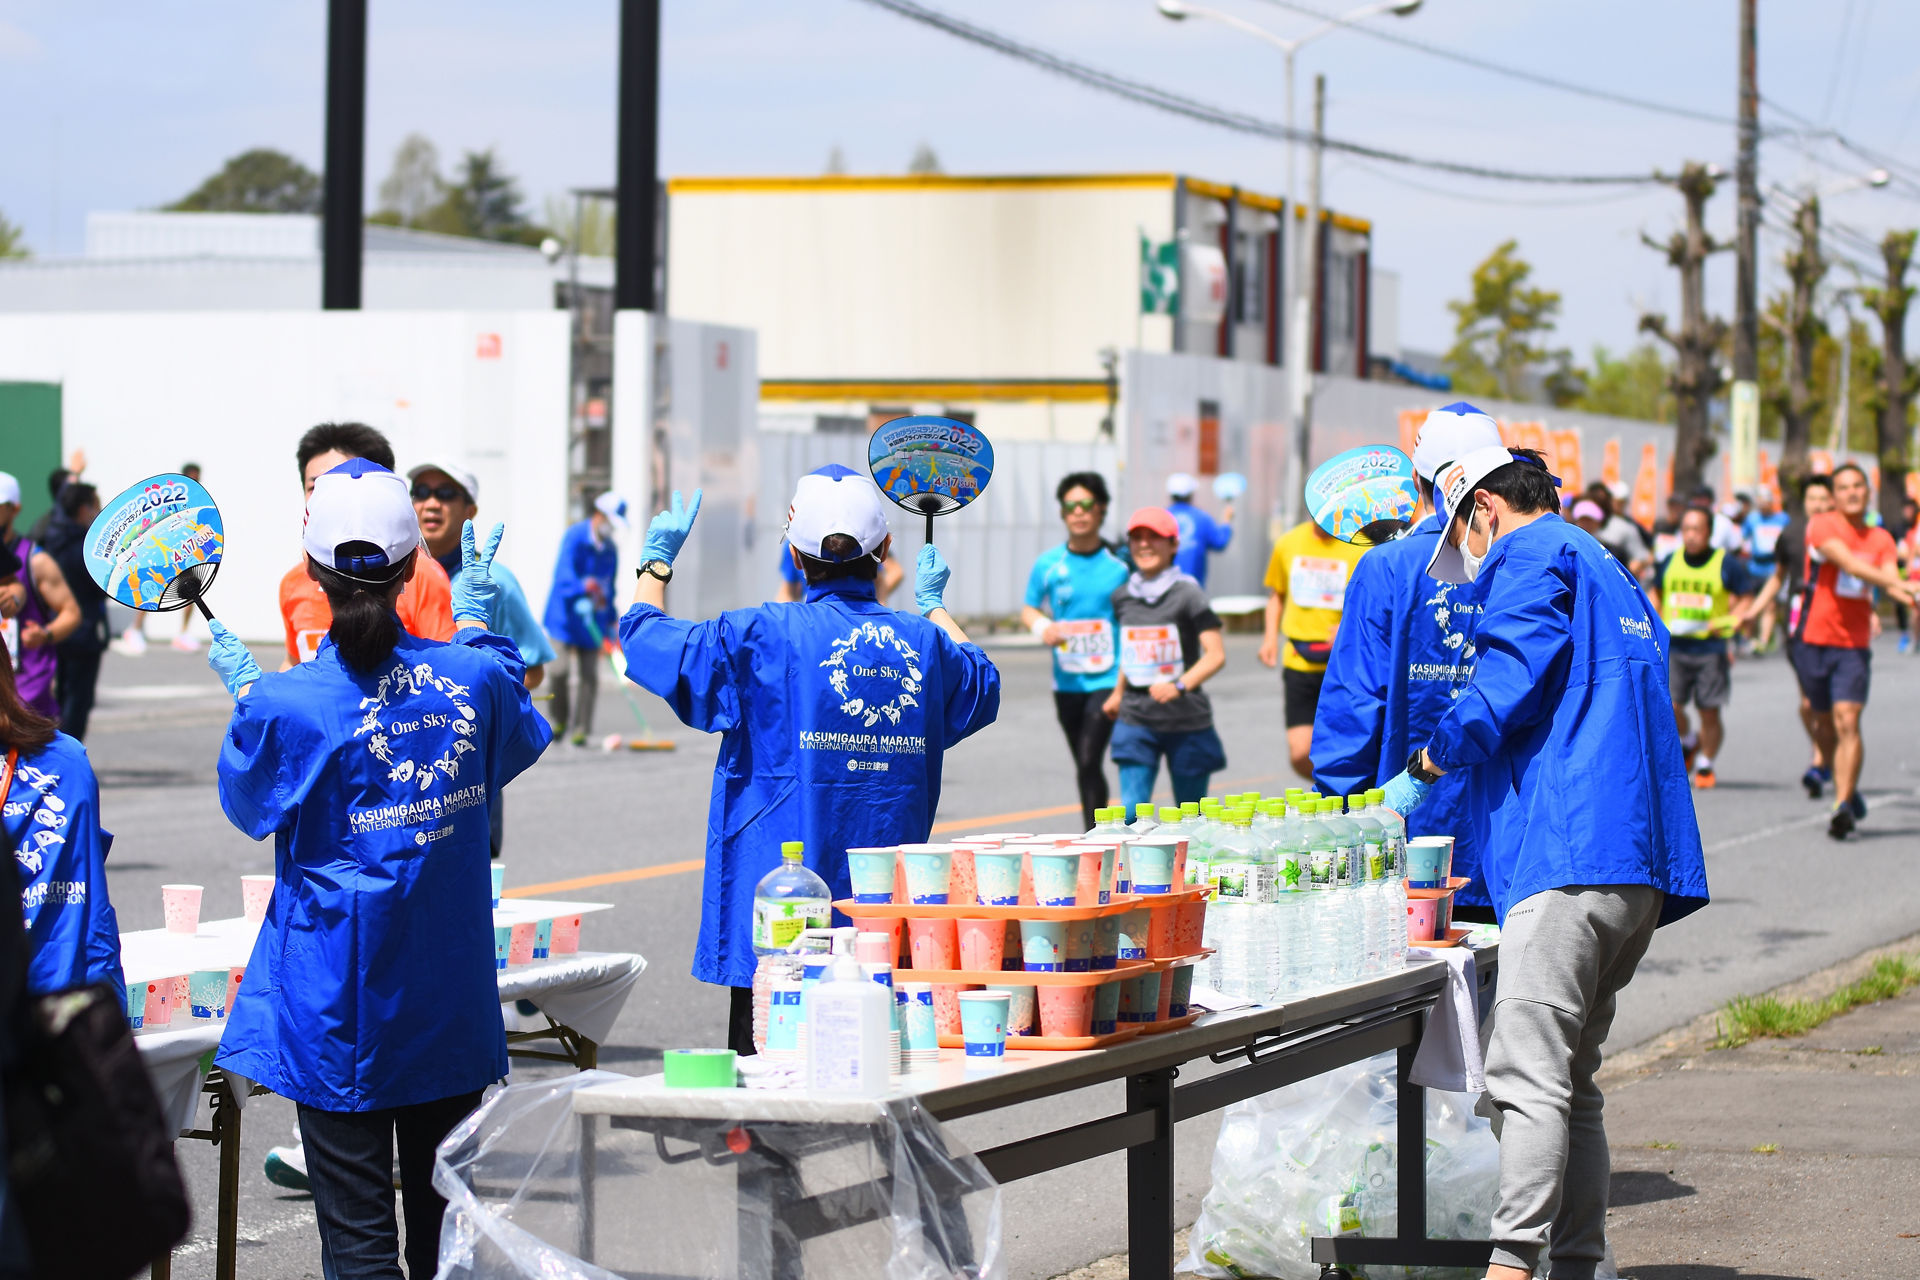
1109,822
1350,874
788,898
1395,829
1369,884
1146,818
1394,954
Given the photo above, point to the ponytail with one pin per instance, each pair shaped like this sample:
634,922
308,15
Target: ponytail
364,628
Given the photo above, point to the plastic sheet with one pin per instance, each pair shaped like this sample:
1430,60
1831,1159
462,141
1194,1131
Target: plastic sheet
1320,1158
538,1192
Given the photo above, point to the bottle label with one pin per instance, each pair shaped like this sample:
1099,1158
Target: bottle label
1376,860
1295,873
778,921
1232,878
1322,863
834,1055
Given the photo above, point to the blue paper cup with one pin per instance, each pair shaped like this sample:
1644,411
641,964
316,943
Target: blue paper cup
1023,1010
499,872
1427,858
983,1023
502,944
1106,874
1106,942
1056,873
1043,945
1122,869
1106,1008
996,877
207,993
542,939
1080,935
1134,927
136,1005
1182,979
872,873
919,1030
1140,998
928,868
1151,864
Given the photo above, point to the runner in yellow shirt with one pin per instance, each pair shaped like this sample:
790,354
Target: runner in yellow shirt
1306,587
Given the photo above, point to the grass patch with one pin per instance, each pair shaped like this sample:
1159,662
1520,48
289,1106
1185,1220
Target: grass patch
1767,1149
1746,1018
1663,1146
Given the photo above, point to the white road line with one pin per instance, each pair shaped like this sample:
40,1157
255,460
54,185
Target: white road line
250,1234
1811,820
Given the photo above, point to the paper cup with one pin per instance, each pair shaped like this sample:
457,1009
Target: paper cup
919,1030
1043,945
1106,942
1444,925
1055,872
1023,1011
1190,928
1091,885
1150,863
934,944
1164,919
1079,945
1182,986
502,945
1066,1011
1106,1009
982,943
1140,998
929,867
159,998
960,878
566,935
1011,956
520,945
1000,837
207,993
137,1005
1427,859
1423,919
1162,1009
1108,854
255,892
181,903
498,871
1133,933
235,976
182,991
872,871
871,947
783,1018
1179,863
983,1023
542,939
946,1007
996,875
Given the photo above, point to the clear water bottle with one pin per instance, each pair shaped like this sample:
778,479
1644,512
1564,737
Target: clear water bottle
1394,953
788,898
1370,885
1109,822
1396,833
1348,862
1146,818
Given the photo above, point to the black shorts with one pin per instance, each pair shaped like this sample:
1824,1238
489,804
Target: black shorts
1701,679
1302,694
1831,673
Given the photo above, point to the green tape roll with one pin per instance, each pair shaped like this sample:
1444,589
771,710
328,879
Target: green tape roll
699,1068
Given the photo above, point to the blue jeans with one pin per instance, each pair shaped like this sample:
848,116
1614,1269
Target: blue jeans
1136,785
1192,756
350,1158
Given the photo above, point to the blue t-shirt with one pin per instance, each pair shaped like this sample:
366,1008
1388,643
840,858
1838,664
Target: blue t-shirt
1078,590
1735,576
1200,536
512,616
1763,534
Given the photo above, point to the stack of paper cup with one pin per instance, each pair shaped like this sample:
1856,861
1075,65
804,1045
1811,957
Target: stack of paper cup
783,1021
919,1032
255,891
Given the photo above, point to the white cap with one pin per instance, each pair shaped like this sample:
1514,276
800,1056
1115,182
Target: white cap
1451,432
613,507
9,488
1180,485
836,499
360,501
1618,491
1451,487
458,474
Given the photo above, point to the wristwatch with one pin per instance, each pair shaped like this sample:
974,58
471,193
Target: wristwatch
1419,772
1181,685
661,569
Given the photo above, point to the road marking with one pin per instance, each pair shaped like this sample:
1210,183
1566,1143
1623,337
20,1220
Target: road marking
1811,820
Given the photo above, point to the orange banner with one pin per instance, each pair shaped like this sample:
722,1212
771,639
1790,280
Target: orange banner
1565,456
1819,463
1646,497
1410,420
1529,435
1610,462
1769,474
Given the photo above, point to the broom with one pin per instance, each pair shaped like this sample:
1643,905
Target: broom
618,661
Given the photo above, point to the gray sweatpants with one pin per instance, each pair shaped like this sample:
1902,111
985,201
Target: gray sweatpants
1564,954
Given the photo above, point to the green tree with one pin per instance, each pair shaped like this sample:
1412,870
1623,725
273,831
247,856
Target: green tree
413,186
1500,330
483,200
924,160
597,222
1632,386
13,240
258,181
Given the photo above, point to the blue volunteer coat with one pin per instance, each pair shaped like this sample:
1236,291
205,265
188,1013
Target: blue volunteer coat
835,713
52,819
1404,647
1200,535
1574,769
581,558
372,984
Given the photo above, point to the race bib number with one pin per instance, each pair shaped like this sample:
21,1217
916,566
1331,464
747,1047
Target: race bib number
1150,655
10,635
1765,538
1086,646
307,643
1316,582
1850,587
1692,606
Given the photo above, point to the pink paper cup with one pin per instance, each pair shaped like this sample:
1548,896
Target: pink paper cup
1423,919
159,1003
946,1007
1011,956
874,947
983,943
520,946
566,935
181,903
1164,1009
934,944
1161,932
235,976
1066,1011
1190,928
254,894
961,885
182,991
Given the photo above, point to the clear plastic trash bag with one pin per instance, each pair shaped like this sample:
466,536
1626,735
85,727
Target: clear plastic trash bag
1321,1158
535,1192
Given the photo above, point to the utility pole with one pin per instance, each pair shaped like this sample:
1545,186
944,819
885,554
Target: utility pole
1306,321
1795,400
1898,384
1696,374
1744,407
637,177
343,194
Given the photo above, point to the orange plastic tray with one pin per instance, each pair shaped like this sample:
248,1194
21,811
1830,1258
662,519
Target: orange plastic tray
1122,903
1057,1043
1454,885
1454,938
1032,977
1170,1024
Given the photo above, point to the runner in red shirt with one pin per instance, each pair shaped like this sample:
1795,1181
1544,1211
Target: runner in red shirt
1846,559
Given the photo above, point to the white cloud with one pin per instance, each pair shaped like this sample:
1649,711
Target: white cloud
17,45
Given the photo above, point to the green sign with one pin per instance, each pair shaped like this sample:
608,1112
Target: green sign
1159,277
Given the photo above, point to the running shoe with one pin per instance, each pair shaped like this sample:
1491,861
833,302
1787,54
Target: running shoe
186,643
1857,805
287,1167
1906,643
1840,825
1703,779
1814,780
131,642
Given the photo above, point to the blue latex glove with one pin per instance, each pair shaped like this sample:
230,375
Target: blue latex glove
588,613
230,659
667,532
930,580
1404,793
474,590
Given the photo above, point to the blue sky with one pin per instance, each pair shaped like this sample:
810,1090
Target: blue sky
119,105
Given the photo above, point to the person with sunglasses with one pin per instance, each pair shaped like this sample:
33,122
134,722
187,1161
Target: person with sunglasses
1069,606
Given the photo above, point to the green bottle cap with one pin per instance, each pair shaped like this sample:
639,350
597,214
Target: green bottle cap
1169,813
1356,801
1375,795
791,850
1189,807
1145,809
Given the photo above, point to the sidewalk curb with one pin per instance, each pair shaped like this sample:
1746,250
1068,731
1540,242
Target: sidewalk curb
1672,1048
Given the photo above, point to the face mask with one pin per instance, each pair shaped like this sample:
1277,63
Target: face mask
1471,561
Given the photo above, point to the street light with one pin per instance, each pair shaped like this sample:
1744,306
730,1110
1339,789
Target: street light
1300,373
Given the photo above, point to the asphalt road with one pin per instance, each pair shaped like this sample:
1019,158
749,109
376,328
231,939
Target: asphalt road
1787,900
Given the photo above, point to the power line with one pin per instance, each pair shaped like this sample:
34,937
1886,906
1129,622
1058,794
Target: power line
1193,109
1489,198
1511,72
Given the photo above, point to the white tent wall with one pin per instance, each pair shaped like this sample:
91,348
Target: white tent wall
233,391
